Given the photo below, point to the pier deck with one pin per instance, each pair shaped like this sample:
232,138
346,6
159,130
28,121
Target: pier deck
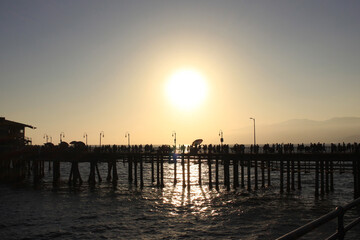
248,170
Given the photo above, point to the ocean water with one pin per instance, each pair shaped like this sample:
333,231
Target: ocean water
124,211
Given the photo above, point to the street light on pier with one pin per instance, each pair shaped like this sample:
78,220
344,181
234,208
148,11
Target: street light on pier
85,136
174,135
101,135
221,134
127,135
62,134
254,132
46,137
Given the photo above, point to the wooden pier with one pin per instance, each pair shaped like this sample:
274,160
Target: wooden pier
259,168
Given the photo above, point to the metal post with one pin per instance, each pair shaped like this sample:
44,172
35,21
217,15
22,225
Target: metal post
101,135
174,135
127,135
85,136
341,230
221,134
62,134
254,133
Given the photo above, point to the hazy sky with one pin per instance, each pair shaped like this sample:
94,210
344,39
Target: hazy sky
92,66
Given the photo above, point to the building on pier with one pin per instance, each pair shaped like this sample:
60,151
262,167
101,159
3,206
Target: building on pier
12,134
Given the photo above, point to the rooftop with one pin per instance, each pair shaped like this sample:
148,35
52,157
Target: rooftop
3,121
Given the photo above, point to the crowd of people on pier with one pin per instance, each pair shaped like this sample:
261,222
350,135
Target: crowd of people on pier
276,148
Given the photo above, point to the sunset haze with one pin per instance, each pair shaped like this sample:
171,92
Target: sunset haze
90,66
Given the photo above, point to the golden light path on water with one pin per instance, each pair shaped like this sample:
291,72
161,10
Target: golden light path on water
198,196
109,210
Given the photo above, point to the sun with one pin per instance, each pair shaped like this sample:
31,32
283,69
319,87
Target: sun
186,89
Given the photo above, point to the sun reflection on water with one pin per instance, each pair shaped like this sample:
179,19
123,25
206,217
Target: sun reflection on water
196,198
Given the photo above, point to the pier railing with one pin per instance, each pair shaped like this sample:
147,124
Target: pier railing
338,213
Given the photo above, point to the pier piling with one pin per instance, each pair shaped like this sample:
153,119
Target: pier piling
152,169
292,174
256,174
162,171
235,172
75,176
217,173
323,165
91,179
188,171
98,172
322,177
227,167
287,175
183,169
242,172
56,172
268,172
115,174
299,174
130,176
141,172
199,165
281,174
135,170
327,188
249,174
108,178
158,170
210,176
316,178
262,173
175,170
331,175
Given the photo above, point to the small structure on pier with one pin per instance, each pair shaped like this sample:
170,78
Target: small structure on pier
197,142
195,145
12,134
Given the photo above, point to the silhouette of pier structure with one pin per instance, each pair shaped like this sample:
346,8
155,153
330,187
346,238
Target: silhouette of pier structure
239,169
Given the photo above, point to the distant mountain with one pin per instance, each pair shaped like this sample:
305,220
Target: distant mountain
296,122
343,121
333,121
339,129
305,130
350,139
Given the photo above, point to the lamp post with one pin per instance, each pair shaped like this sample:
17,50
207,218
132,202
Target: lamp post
254,132
221,134
127,135
62,134
174,135
85,136
101,135
46,137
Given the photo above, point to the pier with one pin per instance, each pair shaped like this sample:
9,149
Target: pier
239,169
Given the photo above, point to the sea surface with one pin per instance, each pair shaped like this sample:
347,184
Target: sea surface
124,211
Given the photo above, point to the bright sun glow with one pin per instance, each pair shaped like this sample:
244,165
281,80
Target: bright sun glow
186,89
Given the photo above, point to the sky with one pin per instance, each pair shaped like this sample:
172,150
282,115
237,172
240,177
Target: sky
89,66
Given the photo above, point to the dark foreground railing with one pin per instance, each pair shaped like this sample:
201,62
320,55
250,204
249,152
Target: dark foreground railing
339,213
